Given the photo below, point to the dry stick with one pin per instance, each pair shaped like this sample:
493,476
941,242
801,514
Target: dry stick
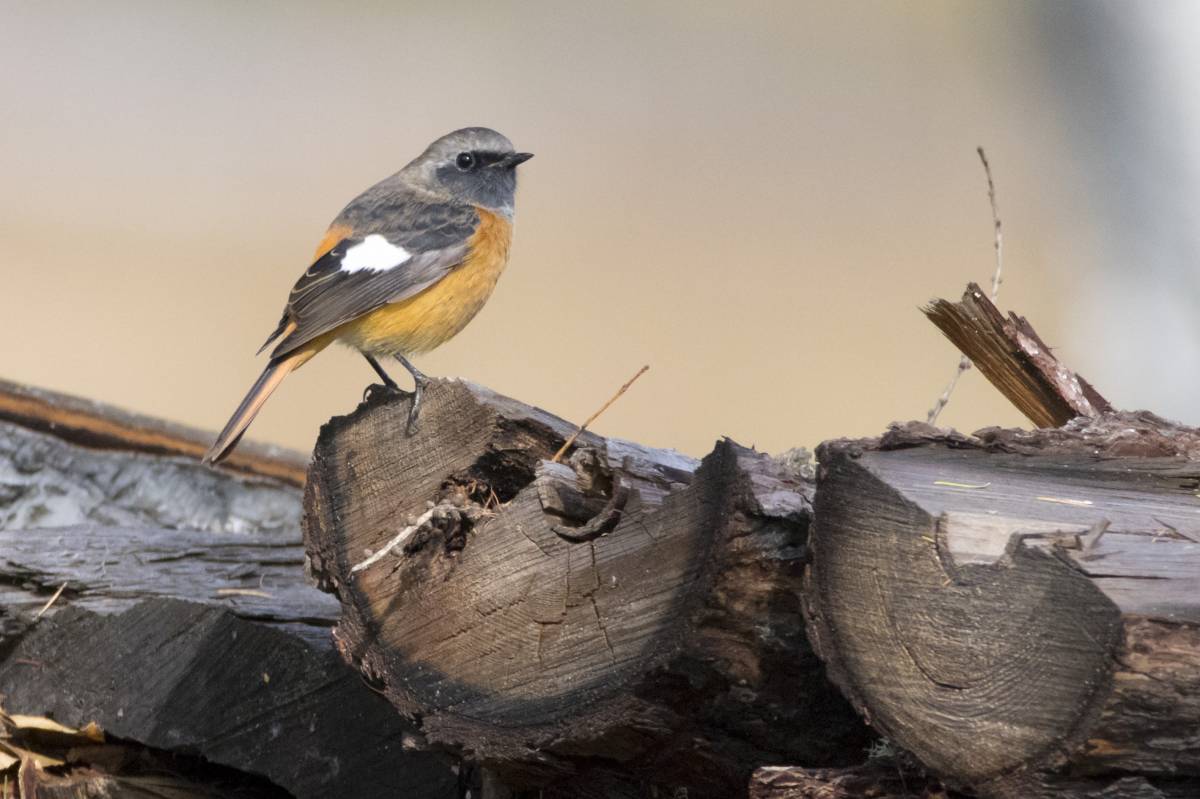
567,444
964,363
53,599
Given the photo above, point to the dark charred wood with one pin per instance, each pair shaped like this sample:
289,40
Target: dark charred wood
255,575
633,612
248,680
117,527
1020,611
181,676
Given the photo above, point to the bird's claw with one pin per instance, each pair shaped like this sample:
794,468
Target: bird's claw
383,390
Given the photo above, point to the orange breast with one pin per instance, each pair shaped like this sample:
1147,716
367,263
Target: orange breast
437,314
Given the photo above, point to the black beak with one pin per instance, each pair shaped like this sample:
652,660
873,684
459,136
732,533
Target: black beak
512,159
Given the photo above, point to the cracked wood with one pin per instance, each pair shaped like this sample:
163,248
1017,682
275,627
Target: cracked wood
1020,610
631,607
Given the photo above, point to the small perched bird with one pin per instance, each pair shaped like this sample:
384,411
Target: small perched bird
402,269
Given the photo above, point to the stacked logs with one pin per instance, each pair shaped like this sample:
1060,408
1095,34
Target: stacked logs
1006,614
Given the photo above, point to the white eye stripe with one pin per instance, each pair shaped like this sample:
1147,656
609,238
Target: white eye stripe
374,253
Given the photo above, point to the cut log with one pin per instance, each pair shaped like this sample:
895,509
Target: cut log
185,677
1021,611
94,424
633,609
117,527
255,575
248,680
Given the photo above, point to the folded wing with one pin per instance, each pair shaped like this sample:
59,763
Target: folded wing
374,265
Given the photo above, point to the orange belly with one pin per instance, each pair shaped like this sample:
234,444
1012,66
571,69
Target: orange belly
437,314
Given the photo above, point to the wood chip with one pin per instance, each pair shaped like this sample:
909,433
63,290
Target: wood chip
1079,503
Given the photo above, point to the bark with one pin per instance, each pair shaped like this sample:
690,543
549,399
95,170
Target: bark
1011,355
632,610
1019,610
93,424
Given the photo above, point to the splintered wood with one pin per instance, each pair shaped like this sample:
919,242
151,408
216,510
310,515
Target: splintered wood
1011,355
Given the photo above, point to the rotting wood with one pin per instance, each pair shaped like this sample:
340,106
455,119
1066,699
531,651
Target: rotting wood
635,608
95,424
1037,637
1012,356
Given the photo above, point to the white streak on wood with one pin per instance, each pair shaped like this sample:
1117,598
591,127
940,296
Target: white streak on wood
396,541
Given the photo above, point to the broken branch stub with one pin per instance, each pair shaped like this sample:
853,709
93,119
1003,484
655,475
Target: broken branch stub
1012,356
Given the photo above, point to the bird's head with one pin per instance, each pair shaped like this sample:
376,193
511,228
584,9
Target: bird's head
474,165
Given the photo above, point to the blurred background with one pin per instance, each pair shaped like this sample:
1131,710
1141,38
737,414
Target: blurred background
753,198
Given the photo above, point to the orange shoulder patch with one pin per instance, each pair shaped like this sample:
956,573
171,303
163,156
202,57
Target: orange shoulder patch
332,236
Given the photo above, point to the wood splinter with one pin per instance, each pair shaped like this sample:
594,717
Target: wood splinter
1012,356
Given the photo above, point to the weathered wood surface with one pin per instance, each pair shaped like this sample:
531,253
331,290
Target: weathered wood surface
187,677
632,608
1021,611
127,531
255,575
1014,358
95,424
120,526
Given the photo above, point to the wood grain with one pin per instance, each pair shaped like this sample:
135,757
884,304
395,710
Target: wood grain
633,607
1012,356
1000,633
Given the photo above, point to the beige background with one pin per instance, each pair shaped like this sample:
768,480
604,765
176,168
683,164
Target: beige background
753,198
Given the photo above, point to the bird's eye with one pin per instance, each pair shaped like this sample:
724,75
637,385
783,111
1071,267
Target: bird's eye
465,161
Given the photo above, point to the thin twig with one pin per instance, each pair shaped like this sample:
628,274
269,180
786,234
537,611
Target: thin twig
52,600
396,541
964,363
567,444
997,276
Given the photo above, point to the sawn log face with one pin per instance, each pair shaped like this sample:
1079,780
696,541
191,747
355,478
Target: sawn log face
633,607
1020,613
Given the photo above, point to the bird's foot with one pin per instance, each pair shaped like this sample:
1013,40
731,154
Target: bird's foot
414,410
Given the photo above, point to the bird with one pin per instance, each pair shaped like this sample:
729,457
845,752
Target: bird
401,270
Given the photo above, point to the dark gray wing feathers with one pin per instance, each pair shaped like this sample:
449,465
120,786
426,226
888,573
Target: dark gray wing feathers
435,233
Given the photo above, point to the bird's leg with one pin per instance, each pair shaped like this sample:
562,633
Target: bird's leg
419,380
388,383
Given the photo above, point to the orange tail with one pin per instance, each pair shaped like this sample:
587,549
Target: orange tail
267,382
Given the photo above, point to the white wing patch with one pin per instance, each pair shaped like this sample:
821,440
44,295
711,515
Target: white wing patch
374,253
